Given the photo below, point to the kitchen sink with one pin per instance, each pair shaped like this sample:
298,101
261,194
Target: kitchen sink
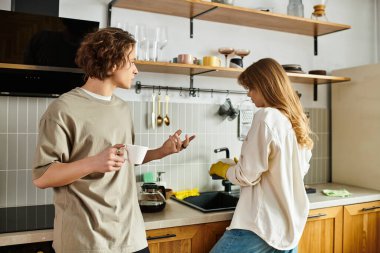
211,201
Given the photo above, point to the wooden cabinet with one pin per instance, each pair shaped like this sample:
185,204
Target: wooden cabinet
213,232
323,231
362,228
185,239
348,229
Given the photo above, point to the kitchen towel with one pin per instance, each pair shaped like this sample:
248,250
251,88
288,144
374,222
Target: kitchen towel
186,193
336,193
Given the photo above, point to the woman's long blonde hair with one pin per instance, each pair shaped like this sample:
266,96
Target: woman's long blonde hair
268,77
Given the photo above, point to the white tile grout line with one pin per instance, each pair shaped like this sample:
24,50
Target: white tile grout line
27,150
7,158
17,103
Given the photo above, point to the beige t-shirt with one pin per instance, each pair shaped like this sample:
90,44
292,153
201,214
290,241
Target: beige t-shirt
99,212
273,201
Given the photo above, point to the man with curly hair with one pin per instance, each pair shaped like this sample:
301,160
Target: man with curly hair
80,153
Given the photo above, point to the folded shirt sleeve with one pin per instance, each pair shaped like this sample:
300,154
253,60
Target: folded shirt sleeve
52,147
254,158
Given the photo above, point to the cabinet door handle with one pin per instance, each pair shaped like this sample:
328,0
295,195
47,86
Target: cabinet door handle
316,215
370,208
160,236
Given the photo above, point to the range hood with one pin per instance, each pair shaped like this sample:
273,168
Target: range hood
38,81
37,53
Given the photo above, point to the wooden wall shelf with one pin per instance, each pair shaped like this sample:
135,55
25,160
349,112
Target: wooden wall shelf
233,15
190,69
222,13
186,69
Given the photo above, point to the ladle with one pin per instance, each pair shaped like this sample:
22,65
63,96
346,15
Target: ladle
159,118
166,119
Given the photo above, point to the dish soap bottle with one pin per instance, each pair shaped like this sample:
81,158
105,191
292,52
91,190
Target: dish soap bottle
160,179
295,8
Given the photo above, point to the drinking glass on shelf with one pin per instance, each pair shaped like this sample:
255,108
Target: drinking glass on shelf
226,51
162,33
152,43
139,33
242,53
121,25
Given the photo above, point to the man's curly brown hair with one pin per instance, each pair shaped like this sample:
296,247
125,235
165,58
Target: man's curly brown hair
102,50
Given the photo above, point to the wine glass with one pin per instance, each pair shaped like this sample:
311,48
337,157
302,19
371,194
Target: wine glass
226,51
242,53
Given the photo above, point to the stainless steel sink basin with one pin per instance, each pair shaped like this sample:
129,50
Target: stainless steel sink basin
211,201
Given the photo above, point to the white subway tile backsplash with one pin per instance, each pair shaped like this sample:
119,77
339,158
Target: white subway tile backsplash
3,187
22,114
185,170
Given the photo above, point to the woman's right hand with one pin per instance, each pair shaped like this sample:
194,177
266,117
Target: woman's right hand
110,159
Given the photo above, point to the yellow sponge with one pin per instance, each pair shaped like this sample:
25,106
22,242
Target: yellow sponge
186,193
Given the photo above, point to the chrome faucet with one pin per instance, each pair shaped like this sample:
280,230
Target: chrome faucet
226,183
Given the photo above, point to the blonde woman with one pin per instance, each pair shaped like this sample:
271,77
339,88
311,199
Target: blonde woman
273,206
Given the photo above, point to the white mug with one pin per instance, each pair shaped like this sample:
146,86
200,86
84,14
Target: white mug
135,154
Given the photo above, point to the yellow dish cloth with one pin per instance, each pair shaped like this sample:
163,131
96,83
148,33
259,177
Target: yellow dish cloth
336,193
186,193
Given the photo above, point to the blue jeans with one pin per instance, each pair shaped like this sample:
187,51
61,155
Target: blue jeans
244,241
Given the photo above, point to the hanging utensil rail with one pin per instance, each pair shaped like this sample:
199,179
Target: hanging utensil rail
192,91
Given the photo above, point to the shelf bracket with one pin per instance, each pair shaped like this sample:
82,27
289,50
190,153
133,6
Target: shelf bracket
109,12
315,90
192,90
193,17
315,45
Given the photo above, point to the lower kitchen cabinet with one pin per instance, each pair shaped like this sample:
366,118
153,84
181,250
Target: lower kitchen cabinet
185,239
362,228
213,232
323,231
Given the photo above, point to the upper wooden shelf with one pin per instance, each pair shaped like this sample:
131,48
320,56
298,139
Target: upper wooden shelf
234,15
191,69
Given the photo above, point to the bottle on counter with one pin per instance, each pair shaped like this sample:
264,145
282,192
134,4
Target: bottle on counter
160,179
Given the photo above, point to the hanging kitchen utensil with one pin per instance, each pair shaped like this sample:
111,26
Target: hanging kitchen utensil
166,119
159,117
153,111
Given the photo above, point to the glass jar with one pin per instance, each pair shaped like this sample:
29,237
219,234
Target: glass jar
295,8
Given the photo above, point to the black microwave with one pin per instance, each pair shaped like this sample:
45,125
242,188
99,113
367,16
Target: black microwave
37,53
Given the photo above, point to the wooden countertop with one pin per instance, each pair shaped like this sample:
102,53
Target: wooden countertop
176,214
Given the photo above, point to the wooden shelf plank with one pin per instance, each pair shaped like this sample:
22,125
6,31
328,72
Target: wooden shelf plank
320,79
188,69
234,15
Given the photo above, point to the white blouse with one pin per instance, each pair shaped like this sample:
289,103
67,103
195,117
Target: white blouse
273,202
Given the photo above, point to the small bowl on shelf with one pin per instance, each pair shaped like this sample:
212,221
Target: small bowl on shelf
318,72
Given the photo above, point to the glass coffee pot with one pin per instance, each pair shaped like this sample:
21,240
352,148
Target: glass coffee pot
151,198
